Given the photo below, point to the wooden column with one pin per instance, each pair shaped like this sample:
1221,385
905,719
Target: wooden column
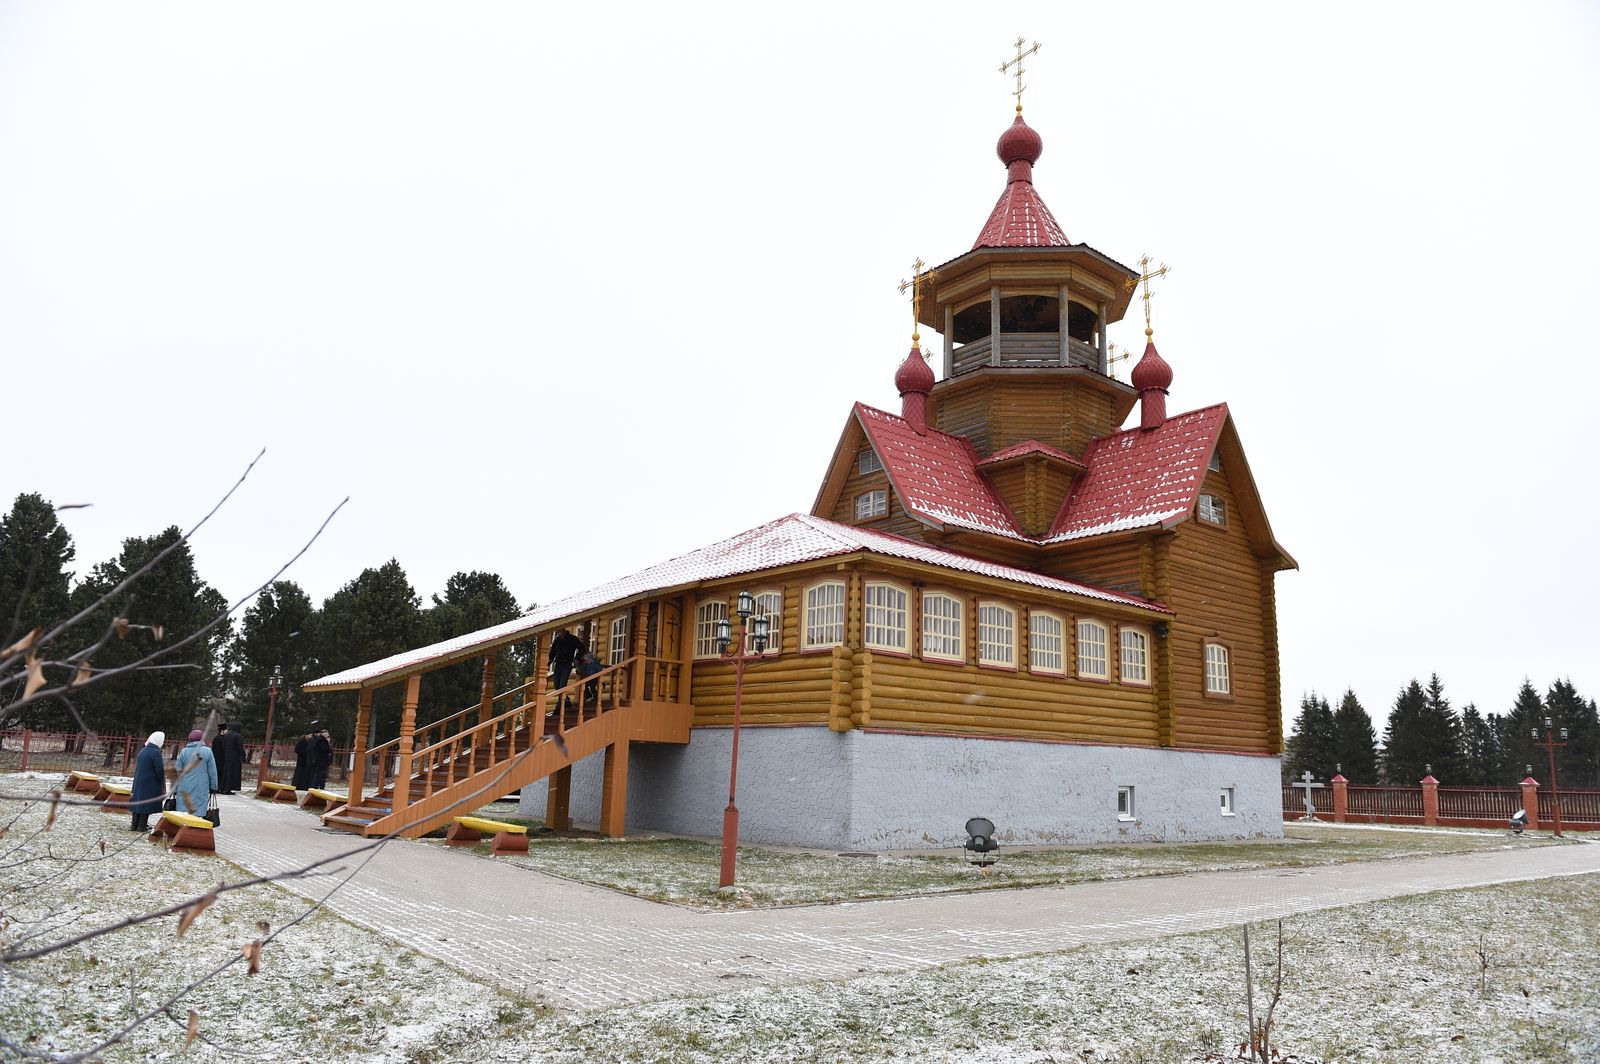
541,683
1165,694
614,791
358,771
640,622
558,800
1105,363
949,342
994,326
408,728
686,651
485,704
1064,305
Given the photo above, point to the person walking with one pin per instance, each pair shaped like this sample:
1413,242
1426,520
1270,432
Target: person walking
197,775
302,760
321,756
564,650
228,749
149,781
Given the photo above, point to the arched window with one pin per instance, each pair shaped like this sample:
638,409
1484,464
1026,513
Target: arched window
884,616
943,627
706,616
1093,660
769,604
1135,656
824,619
1047,650
619,638
1219,681
997,635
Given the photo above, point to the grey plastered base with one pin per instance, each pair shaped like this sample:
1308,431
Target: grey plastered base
864,790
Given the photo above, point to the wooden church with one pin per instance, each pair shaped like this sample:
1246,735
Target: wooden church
1003,603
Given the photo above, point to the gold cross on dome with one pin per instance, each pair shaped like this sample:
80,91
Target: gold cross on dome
1005,68
1146,275
1116,356
920,276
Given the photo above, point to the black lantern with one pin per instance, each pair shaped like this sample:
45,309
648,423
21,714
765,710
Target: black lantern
759,630
724,635
747,605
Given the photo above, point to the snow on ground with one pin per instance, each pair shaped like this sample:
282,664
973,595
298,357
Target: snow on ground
1391,981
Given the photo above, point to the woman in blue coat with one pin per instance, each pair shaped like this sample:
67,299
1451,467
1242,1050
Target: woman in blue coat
197,775
149,781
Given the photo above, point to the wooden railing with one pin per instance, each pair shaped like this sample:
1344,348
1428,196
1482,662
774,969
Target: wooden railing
1025,350
1479,803
1294,801
1577,807
385,756
1385,801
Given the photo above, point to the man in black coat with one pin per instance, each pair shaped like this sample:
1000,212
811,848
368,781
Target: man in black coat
228,750
321,757
564,650
302,759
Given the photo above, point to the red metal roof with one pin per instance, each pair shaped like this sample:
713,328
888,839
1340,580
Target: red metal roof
936,475
1020,219
1027,447
1138,478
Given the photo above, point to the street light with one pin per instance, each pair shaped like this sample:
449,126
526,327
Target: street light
759,630
1550,745
274,682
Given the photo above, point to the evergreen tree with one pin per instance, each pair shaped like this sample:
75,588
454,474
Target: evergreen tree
1575,762
471,602
34,583
279,628
1403,737
1355,743
1441,734
170,595
1517,752
1480,753
1312,747
371,617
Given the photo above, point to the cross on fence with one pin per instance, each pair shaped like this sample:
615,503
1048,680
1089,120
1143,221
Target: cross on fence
1307,786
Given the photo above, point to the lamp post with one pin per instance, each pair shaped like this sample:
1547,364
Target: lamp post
759,632
274,682
1550,745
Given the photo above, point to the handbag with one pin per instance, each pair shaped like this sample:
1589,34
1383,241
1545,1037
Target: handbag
213,812
171,801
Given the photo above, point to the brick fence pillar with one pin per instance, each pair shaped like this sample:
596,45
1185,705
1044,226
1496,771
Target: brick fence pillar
1430,800
1530,800
1341,798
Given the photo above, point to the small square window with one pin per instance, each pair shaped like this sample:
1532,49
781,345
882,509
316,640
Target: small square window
872,504
1125,807
1213,510
1227,801
867,462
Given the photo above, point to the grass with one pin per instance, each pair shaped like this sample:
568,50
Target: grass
685,871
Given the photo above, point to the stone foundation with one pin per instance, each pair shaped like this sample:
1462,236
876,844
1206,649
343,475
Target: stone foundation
867,790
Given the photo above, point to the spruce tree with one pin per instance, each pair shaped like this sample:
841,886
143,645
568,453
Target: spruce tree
1404,738
1441,730
1479,747
278,629
35,551
1575,762
371,617
1518,756
1355,743
1312,746
471,602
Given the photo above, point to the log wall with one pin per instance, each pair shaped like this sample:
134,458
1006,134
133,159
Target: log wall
897,522
1062,413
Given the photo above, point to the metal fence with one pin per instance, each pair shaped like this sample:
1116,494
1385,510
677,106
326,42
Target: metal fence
1365,804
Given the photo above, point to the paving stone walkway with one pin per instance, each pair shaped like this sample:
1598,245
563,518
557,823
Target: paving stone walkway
581,947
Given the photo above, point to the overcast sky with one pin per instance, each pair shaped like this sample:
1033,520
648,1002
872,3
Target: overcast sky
559,291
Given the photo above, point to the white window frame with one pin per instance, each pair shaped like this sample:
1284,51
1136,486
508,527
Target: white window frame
1134,664
823,614
1212,509
1219,670
990,631
1225,801
618,641
1127,810
769,604
867,461
886,617
943,628
1040,650
871,504
707,612
1092,665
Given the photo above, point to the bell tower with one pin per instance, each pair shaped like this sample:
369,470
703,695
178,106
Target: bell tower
1024,316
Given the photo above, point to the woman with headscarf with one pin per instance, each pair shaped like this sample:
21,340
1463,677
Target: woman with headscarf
149,781
197,775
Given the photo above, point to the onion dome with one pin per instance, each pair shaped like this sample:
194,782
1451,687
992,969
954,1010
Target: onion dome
1152,377
914,380
1020,218
1020,143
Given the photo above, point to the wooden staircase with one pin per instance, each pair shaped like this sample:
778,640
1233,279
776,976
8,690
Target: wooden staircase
456,766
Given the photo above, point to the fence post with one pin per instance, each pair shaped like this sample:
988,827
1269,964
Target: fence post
27,739
1530,800
1341,798
1430,800
127,752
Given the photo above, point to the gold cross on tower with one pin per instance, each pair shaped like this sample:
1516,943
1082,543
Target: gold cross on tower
1146,275
1005,68
920,276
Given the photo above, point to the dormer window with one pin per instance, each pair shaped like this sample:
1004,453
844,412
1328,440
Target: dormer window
1213,511
867,462
871,504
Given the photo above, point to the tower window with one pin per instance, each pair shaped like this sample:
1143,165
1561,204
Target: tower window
872,504
1219,679
1215,464
1213,510
867,462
